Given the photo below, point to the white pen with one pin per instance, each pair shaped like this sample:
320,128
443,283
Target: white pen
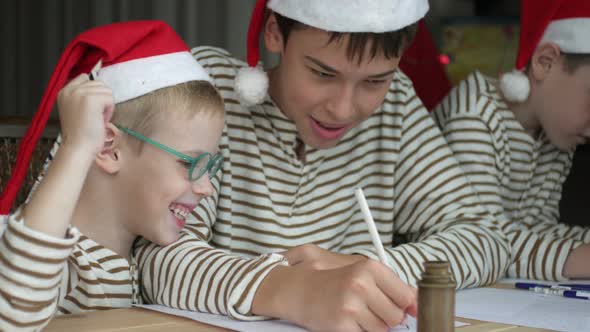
360,197
371,225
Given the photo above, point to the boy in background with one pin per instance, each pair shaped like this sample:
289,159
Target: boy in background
515,137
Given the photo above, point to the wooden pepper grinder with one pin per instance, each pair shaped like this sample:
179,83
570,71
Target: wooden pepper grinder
436,298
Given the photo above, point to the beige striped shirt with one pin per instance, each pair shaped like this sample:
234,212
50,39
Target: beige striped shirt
267,201
519,178
41,276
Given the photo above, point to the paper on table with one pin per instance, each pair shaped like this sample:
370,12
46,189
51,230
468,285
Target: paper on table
521,307
226,322
258,326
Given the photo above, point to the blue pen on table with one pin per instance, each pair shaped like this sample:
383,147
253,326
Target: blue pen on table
559,290
584,295
577,286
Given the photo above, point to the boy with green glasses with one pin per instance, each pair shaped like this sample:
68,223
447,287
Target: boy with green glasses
138,151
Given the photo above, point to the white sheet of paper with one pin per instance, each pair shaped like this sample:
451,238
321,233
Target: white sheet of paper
521,307
257,326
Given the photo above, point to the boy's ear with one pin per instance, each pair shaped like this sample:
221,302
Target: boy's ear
544,59
273,39
109,157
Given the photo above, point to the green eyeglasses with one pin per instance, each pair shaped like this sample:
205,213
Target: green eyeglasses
197,167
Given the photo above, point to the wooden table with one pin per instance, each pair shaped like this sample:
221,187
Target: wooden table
128,320
138,319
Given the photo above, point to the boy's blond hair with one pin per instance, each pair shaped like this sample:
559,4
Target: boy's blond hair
186,99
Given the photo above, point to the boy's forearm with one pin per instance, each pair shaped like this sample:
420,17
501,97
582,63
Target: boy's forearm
52,205
577,264
231,285
277,286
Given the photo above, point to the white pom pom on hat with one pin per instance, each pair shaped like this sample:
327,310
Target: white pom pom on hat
515,86
563,22
251,84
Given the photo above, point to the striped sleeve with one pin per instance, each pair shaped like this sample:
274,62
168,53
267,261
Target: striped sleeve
539,256
31,269
193,275
434,201
539,246
573,232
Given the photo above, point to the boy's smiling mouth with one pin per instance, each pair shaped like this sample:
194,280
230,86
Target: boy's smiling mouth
180,212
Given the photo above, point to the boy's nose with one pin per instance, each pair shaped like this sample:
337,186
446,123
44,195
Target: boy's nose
203,186
342,105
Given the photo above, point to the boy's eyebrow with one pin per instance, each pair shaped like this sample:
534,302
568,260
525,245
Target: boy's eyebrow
321,64
334,71
384,74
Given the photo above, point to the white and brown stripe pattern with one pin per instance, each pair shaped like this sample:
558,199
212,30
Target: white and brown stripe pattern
517,177
267,201
41,275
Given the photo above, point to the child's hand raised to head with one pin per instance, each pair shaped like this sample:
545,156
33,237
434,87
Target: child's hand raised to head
85,107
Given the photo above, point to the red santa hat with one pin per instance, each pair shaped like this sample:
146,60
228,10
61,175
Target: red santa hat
563,22
137,57
347,16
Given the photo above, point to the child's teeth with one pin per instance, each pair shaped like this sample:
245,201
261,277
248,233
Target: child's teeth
180,212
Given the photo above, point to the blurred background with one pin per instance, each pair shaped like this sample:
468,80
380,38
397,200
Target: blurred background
456,38
35,32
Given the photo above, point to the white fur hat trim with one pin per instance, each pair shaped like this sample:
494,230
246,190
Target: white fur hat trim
352,15
570,34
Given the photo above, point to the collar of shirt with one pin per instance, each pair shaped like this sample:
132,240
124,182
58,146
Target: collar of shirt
283,129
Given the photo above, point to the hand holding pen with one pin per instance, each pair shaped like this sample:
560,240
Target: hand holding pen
361,294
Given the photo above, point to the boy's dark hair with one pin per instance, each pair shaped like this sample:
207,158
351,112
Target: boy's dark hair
575,60
390,44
